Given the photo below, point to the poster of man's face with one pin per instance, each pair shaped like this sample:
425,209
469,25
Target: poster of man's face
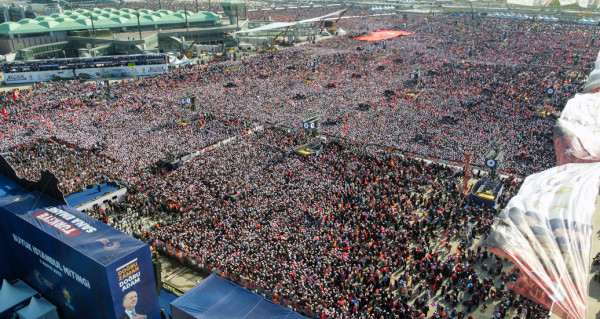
129,303
130,300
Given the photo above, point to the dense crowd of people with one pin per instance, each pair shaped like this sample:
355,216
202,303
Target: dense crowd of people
366,229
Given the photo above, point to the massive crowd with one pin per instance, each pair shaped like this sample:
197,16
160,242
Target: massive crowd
364,230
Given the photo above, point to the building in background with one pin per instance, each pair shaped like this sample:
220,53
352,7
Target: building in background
107,31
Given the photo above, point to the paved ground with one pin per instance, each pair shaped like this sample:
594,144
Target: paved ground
178,276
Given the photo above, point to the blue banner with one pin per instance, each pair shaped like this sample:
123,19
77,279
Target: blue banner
81,265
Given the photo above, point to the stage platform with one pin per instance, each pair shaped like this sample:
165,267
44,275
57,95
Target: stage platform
90,194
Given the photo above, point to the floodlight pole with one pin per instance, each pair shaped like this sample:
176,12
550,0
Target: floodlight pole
139,27
93,28
187,27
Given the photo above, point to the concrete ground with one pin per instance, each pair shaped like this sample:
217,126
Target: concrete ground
178,276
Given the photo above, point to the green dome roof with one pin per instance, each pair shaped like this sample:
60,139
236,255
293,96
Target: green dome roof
103,18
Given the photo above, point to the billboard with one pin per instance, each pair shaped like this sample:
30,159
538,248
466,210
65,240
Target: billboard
81,265
86,74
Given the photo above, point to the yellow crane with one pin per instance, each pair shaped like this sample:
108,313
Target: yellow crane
332,30
272,46
429,15
536,25
461,30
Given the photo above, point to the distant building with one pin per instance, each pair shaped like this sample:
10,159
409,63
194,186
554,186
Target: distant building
15,11
233,9
110,31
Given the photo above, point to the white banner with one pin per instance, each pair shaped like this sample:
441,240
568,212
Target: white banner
544,3
85,74
530,3
577,131
587,3
546,230
281,25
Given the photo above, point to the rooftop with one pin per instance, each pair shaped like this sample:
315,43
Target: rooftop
103,18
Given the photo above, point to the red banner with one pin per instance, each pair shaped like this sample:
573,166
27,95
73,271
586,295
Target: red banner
383,35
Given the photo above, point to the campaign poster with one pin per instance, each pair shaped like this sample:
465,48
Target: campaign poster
75,261
132,296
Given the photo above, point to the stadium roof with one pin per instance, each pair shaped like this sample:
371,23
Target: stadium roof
103,18
232,2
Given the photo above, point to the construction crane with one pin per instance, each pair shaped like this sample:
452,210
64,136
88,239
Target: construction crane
429,15
284,40
187,52
461,30
535,26
332,29
272,46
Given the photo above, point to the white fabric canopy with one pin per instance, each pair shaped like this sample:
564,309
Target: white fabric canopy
38,309
531,3
577,131
543,3
546,230
280,25
593,81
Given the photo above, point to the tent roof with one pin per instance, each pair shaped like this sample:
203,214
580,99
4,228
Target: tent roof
38,309
215,297
11,295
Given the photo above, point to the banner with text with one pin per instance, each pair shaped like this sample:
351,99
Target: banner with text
81,265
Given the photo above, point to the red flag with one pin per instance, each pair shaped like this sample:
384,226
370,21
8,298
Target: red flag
346,127
15,95
4,112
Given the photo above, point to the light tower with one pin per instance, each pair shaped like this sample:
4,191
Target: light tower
233,8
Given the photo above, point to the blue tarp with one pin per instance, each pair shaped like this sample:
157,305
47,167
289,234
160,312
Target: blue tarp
165,299
14,295
38,309
215,298
8,187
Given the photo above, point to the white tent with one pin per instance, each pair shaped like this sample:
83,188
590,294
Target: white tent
38,309
593,82
14,294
